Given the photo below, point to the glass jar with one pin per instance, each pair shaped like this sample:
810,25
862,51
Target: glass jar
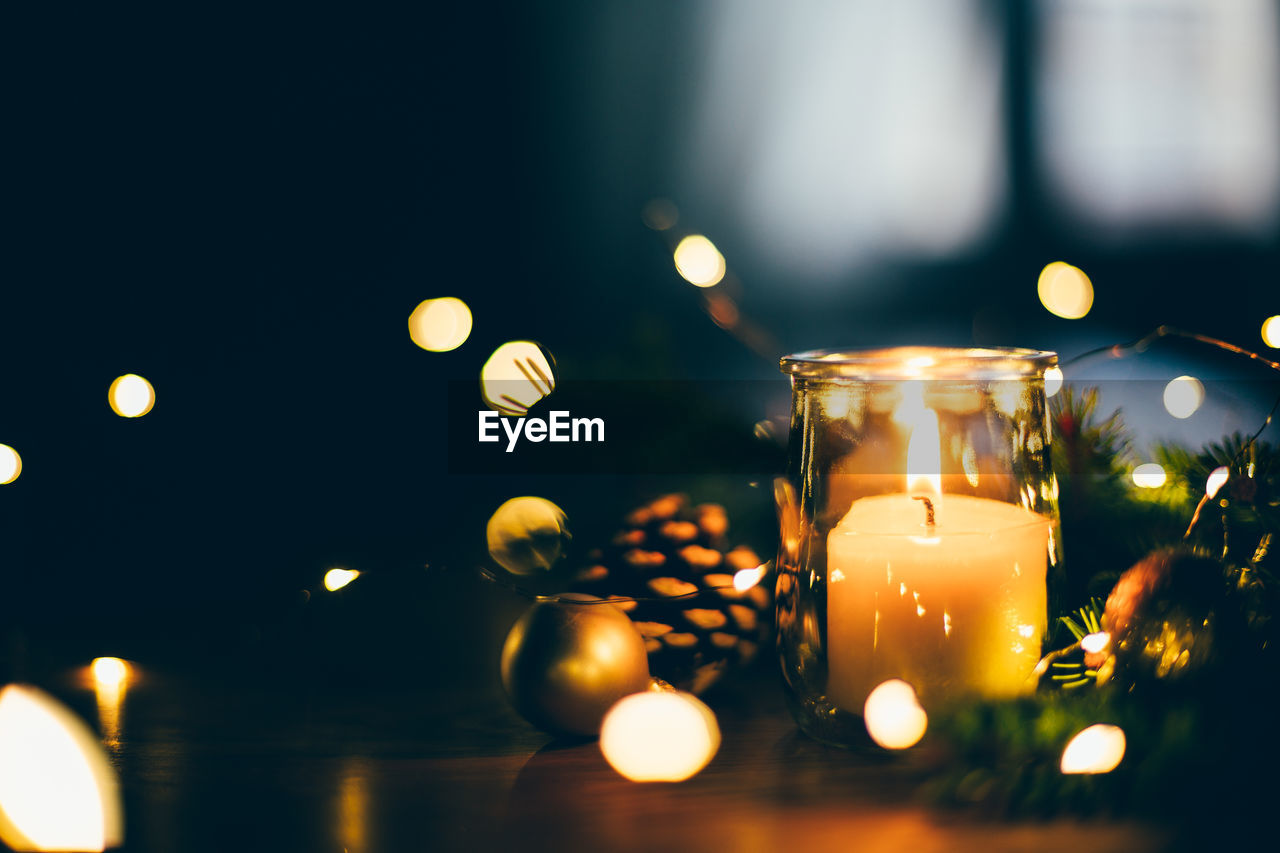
919,528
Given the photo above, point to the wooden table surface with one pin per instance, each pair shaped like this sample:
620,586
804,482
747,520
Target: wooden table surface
425,766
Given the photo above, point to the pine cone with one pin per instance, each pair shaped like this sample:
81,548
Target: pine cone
666,549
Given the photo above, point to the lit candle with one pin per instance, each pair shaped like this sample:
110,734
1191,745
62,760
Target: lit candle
946,592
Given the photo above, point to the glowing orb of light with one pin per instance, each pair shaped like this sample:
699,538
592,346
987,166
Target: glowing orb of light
1097,749
893,715
1271,332
665,736
744,579
440,325
1052,381
336,579
1149,475
109,672
57,788
698,261
517,375
1065,290
527,534
10,464
1217,479
1183,396
131,396
1095,642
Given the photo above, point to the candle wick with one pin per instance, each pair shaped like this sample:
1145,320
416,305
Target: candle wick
928,509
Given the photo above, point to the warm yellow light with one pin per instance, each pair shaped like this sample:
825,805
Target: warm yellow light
699,261
131,396
1271,332
1217,479
744,579
517,375
893,715
109,672
1182,396
1052,381
1095,642
336,579
57,789
1149,475
527,534
10,464
665,736
924,455
1065,290
440,325
1097,749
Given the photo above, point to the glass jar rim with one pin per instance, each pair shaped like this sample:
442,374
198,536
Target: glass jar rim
916,362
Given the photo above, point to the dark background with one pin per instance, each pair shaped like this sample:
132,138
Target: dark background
245,207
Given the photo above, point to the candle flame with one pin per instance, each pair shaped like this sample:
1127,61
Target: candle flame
924,454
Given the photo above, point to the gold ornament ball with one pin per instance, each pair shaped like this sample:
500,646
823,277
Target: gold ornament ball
527,534
566,662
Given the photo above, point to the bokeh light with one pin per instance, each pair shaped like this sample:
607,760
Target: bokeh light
1271,332
1052,381
1097,749
10,464
1095,642
440,325
131,396
1183,396
659,736
893,715
517,375
1065,290
1217,479
1149,475
57,788
527,534
336,579
699,261
109,672
744,579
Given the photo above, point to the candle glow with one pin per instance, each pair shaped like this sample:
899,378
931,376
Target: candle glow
947,593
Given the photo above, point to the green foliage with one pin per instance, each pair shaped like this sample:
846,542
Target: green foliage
1185,741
